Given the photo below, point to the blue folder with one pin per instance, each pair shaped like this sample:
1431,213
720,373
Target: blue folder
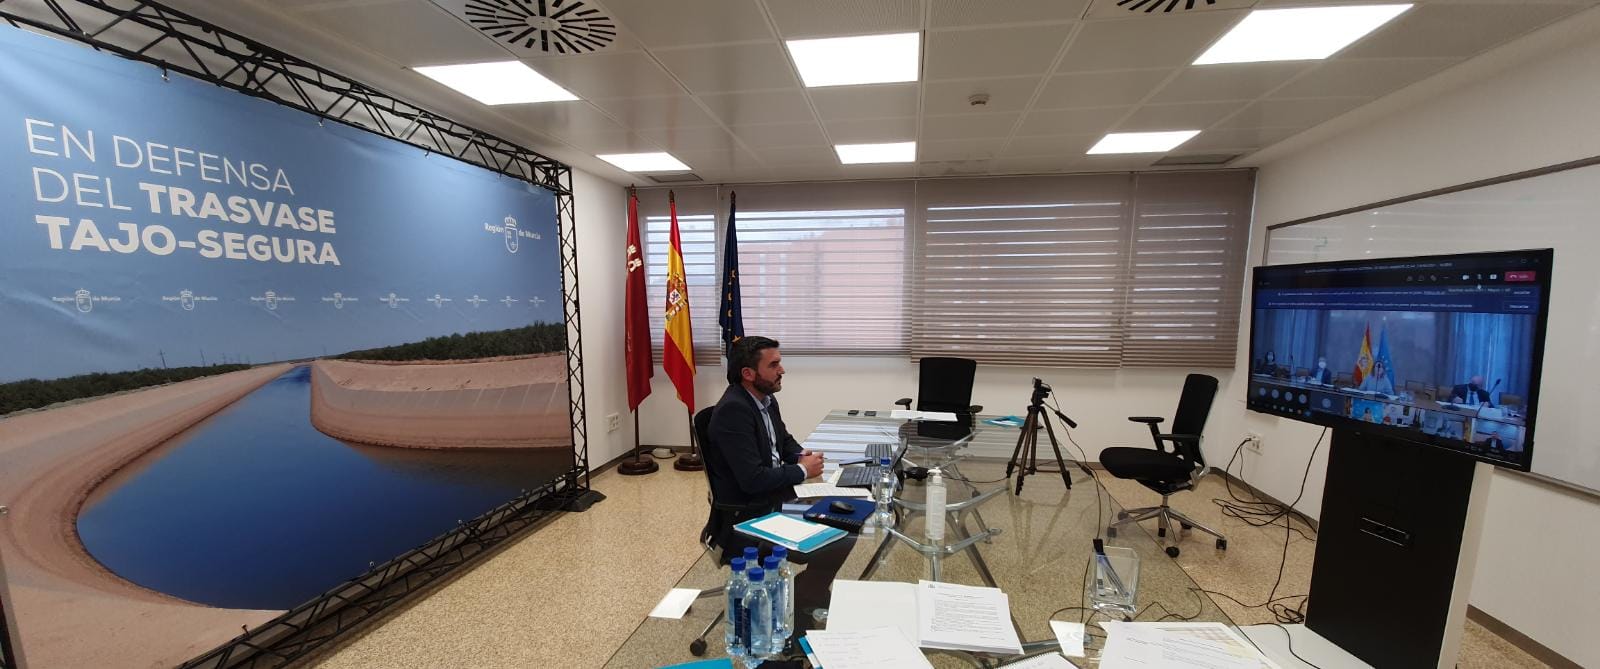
827,536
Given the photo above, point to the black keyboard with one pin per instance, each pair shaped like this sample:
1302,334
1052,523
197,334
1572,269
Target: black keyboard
876,452
858,477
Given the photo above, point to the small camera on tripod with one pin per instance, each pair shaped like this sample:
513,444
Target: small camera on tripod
1041,390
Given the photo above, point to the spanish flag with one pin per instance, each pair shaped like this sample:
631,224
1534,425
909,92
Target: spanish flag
1363,361
677,358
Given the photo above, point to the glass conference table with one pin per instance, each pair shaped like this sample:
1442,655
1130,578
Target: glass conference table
1039,559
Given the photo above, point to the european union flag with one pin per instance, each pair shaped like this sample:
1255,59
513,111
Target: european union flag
731,315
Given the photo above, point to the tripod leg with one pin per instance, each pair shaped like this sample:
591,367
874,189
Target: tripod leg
1012,463
1030,438
1065,477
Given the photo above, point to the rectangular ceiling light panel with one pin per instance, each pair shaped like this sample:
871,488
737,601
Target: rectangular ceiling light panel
1299,33
867,59
645,162
503,83
1142,142
860,154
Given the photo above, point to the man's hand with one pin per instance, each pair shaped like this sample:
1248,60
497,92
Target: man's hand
812,463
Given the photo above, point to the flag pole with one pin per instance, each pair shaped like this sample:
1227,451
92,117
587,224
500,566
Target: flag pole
639,464
691,461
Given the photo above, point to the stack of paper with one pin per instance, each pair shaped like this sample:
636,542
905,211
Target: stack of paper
937,416
876,648
792,533
1178,646
935,615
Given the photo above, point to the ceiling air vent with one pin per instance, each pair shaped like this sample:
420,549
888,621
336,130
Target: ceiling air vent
540,27
681,177
1112,9
1153,6
1199,159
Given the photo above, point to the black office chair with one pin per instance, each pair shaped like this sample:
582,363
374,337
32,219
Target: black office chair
1164,472
945,384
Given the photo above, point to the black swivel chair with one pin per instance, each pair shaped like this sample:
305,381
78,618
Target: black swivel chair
945,384
1165,472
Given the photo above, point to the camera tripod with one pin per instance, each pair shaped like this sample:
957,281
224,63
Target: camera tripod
1025,457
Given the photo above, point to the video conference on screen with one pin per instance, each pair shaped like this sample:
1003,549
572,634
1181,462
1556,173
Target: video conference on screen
1443,351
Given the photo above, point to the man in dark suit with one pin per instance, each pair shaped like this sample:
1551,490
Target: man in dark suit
755,461
1322,374
1471,392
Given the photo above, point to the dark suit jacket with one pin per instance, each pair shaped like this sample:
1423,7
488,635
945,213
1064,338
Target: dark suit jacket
1470,394
1324,377
745,482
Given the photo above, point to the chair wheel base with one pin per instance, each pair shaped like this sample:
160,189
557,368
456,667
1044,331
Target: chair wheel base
1122,515
1172,551
697,647
1161,531
1111,532
1186,526
1222,544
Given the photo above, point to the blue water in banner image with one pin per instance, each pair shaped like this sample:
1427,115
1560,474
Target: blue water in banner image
255,509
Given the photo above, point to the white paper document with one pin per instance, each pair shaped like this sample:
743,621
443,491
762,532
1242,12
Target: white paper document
1070,636
805,490
875,648
789,529
860,605
1178,646
1046,661
934,416
676,603
965,617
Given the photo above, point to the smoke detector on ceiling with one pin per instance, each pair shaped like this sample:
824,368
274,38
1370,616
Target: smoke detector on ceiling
539,27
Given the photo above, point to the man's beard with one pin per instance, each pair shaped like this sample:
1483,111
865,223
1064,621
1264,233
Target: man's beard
767,387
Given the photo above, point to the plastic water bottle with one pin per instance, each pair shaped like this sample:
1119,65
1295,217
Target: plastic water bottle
883,494
758,603
936,505
786,575
772,565
752,557
738,633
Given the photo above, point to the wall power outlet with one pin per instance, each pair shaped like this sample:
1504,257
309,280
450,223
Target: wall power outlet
613,421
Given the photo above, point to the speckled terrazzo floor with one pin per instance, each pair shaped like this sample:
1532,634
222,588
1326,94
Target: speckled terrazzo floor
571,593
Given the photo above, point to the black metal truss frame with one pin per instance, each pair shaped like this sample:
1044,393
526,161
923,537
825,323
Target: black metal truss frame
173,41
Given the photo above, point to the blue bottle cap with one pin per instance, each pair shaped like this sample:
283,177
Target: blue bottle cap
751,554
883,462
756,575
770,563
737,564
780,552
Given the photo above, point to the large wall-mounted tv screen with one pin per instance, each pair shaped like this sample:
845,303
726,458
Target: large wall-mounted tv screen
1441,350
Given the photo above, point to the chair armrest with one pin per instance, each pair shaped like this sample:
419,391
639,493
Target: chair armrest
904,401
1179,437
1149,420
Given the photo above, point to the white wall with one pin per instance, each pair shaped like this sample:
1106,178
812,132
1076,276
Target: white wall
1535,569
602,224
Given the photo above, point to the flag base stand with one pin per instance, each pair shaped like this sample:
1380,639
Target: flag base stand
640,464
689,462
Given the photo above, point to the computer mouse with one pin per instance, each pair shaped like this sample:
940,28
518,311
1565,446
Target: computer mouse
841,507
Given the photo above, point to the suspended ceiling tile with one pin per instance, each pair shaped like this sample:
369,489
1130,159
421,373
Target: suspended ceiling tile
730,67
619,142
563,119
968,126
798,155
1006,94
992,52
1362,78
878,171
1302,113
664,23
967,13
692,139
835,18
1234,81
1115,162
721,161
759,107
1454,30
656,112
872,131
407,33
1056,145
1191,116
1087,121
1032,164
609,75
1146,41
1239,138
758,137
1100,89
955,150
954,168
870,101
